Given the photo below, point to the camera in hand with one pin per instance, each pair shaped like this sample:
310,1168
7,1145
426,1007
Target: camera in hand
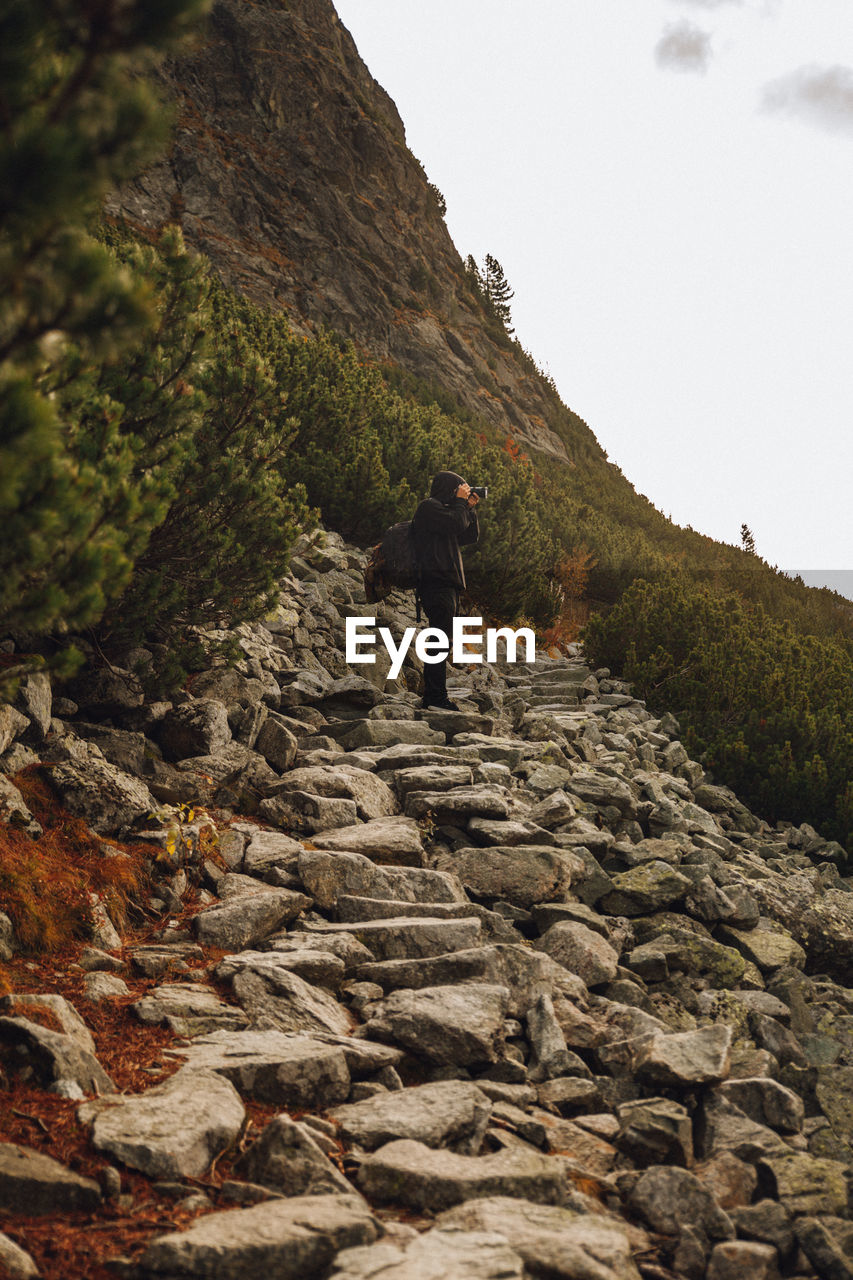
481,490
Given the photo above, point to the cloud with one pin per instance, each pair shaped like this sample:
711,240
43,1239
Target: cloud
684,47
821,95
710,4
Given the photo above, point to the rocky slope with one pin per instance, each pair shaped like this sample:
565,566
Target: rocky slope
514,991
290,170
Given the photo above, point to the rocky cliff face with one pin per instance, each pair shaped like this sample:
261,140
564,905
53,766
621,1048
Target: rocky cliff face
290,170
510,991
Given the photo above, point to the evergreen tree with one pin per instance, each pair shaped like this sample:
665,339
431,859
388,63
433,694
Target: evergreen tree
498,292
77,120
746,540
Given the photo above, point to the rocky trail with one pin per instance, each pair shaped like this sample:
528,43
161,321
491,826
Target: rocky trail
513,991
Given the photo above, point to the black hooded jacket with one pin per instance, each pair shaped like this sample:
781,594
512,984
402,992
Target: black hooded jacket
441,524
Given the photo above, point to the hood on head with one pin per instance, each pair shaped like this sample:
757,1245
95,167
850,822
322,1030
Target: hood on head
444,486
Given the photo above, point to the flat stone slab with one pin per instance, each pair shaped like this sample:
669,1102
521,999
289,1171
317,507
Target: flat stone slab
363,909
440,1254
522,875
69,1021
449,1113
403,938
171,1131
413,1175
484,801
553,1241
432,777
385,840
274,997
188,1009
526,973
33,1183
386,733
329,875
270,1066
289,1239
245,919
457,1026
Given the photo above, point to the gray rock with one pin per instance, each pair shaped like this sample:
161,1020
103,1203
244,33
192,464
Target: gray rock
13,809
99,987
458,1026
7,937
521,875
385,733
603,790
687,1058
666,1198
413,1175
326,876
769,949
725,1127
449,1113
581,951
276,742
738,1258
308,813
768,1222
318,968
458,805
550,1055
372,797
644,889
655,1131
343,945
156,960
34,700
32,1183
270,1066
806,1185
436,1255
553,1241
171,1131
287,1159
188,1009
269,851
526,973
289,1239
70,1022
431,777
767,1102
385,840
822,1250
50,1059
196,728
276,998
514,831
92,788
15,1262
13,724
248,918
407,937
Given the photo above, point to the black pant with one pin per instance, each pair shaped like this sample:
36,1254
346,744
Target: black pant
441,604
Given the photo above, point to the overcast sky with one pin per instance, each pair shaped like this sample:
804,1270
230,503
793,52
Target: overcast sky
668,185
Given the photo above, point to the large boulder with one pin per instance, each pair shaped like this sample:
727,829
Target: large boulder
171,1131
459,1026
449,1113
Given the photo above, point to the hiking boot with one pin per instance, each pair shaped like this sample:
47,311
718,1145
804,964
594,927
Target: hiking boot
444,705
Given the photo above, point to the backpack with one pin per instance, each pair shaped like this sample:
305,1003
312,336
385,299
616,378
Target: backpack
392,564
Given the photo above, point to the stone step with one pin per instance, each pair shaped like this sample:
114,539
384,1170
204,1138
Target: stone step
404,938
351,908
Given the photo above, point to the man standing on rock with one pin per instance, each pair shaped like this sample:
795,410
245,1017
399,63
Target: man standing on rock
443,522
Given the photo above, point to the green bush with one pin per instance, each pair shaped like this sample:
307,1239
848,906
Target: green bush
770,709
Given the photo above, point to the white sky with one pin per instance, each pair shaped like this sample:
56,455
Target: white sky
668,185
